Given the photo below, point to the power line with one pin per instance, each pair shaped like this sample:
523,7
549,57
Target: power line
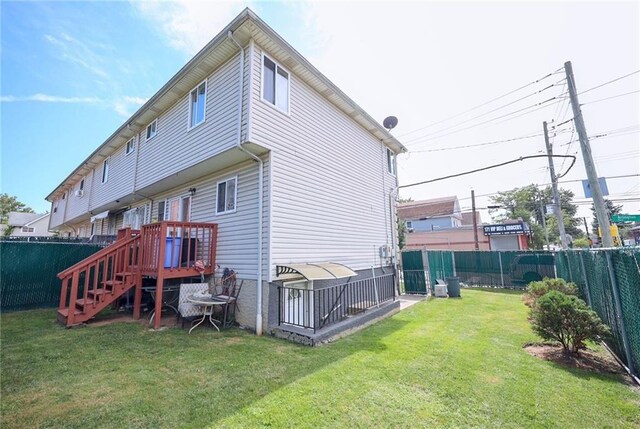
609,98
535,107
529,136
522,158
483,104
607,83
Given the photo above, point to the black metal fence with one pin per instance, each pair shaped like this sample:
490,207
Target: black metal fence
28,271
609,281
316,309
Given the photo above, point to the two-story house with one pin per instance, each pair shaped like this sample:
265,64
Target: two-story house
250,136
432,214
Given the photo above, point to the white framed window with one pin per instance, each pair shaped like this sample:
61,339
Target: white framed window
275,84
391,162
27,229
226,196
131,146
105,170
135,218
64,194
176,208
152,129
161,210
409,224
197,105
81,185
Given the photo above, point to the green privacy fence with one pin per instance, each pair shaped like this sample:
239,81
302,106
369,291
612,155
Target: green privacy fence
28,271
422,269
609,281
503,268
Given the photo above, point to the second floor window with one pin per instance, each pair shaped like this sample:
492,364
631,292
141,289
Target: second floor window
82,185
152,129
131,146
391,162
275,84
226,201
197,101
105,170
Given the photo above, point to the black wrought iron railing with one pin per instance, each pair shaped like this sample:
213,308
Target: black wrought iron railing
317,309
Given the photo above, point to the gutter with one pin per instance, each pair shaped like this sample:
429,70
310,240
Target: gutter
260,186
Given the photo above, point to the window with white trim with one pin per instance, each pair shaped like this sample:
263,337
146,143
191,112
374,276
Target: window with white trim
176,209
161,209
409,224
391,162
27,229
105,170
82,185
131,146
226,197
275,84
152,129
197,102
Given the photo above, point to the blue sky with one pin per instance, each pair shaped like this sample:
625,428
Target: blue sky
73,72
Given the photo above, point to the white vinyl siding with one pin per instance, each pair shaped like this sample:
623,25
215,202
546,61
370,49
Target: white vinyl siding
314,153
197,104
175,148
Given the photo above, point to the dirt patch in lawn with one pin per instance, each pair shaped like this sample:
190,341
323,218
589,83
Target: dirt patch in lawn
588,360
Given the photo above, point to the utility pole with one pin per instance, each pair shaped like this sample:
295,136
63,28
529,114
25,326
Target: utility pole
598,200
475,222
554,187
544,224
586,229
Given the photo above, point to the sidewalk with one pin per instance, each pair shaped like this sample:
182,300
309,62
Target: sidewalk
409,300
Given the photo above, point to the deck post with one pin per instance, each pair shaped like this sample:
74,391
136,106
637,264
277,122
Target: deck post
72,299
161,242
137,297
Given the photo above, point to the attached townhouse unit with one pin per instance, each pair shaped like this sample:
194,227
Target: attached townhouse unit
300,182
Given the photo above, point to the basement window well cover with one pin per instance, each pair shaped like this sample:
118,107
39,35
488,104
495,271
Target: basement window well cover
314,271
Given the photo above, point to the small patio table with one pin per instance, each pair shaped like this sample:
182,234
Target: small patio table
208,303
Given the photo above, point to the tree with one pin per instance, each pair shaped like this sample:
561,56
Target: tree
402,225
11,204
611,210
529,202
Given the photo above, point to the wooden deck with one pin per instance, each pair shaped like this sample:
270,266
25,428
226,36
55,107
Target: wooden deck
163,250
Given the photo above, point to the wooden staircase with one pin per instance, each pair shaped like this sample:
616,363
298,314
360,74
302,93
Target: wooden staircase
98,281
93,284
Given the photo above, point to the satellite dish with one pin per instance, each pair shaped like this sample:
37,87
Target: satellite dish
390,122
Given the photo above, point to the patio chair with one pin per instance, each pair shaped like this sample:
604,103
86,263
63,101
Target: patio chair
186,309
228,291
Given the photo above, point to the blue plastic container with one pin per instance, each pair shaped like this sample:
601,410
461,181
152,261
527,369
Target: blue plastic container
172,252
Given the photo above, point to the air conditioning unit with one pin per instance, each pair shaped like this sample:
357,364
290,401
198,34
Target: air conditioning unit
79,193
440,291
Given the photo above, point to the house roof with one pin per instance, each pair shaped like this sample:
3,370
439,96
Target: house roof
435,207
246,25
467,218
22,219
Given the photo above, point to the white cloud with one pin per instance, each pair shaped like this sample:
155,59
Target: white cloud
189,25
45,98
126,106
79,53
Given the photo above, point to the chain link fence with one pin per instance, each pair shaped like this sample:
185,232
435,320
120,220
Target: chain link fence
609,281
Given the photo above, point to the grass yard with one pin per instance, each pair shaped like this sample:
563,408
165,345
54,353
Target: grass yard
444,363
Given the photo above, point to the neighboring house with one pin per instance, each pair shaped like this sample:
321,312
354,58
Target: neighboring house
29,224
250,136
438,223
431,215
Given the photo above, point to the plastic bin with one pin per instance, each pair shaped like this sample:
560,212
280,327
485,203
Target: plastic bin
172,252
453,287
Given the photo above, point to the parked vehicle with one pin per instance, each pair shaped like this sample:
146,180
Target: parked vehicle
529,268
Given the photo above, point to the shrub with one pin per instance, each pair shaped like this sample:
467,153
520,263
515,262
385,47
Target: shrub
537,289
566,319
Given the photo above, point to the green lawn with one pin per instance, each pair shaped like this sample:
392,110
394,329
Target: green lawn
443,363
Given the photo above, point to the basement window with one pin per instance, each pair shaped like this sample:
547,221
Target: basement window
275,85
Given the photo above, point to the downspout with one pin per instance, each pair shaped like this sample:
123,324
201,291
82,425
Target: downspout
260,186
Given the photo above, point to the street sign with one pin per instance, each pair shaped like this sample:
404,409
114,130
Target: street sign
625,218
603,187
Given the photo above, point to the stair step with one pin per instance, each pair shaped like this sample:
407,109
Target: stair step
95,292
113,282
125,274
65,312
82,302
